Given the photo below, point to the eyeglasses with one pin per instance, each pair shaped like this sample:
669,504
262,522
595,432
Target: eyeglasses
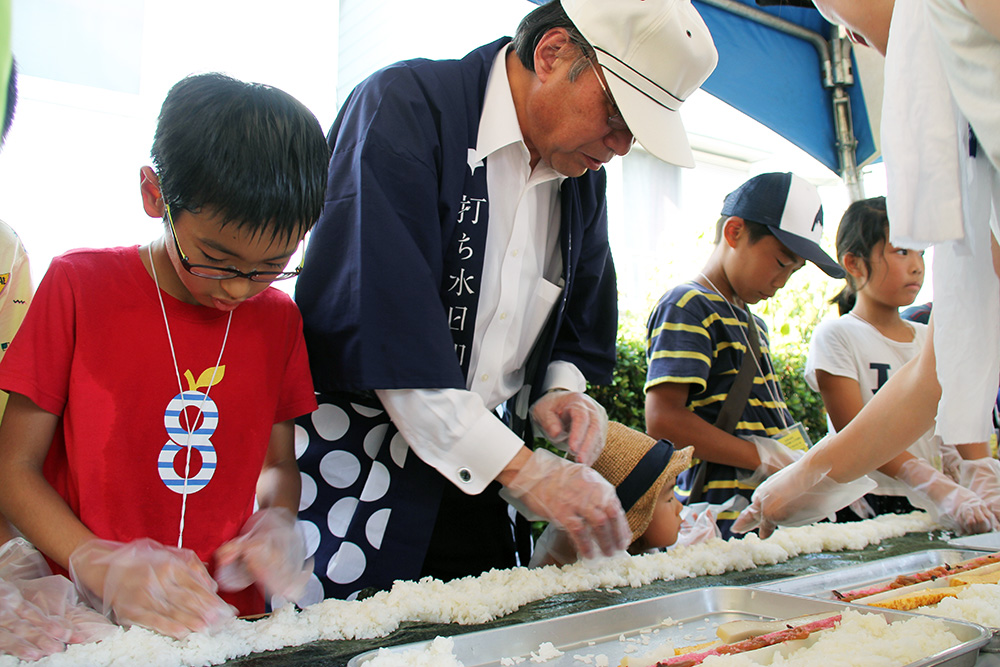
225,273
615,120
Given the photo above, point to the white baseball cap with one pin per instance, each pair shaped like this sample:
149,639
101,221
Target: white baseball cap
654,53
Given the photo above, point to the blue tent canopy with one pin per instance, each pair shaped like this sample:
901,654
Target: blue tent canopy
778,78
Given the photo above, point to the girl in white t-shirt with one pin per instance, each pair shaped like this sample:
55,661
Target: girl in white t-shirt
851,357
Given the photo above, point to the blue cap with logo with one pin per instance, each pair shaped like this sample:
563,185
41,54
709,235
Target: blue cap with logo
790,206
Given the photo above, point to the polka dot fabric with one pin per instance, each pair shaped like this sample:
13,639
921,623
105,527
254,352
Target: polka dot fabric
359,485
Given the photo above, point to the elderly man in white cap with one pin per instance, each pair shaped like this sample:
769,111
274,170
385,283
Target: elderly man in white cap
459,286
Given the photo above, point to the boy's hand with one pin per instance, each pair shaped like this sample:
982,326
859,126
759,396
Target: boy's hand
575,498
146,583
572,418
773,457
270,550
798,494
40,612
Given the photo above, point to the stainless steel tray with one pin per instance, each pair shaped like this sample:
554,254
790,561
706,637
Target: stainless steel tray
986,542
853,577
695,613
822,584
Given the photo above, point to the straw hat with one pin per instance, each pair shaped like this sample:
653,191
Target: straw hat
638,467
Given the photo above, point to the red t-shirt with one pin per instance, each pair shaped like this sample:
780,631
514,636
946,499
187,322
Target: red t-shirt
93,349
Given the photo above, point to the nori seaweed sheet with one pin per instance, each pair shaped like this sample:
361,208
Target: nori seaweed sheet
338,653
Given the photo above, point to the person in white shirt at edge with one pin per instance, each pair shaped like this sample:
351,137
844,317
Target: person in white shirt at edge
465,211
941,146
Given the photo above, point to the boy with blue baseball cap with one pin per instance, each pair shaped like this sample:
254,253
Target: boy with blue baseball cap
703,388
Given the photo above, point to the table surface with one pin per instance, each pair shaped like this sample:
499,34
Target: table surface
338,653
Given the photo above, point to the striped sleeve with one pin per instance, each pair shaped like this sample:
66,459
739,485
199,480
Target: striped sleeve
679,344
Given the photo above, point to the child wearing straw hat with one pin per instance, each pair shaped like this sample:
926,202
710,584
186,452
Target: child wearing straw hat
642,470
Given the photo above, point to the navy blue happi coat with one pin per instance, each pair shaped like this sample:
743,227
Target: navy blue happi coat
388,297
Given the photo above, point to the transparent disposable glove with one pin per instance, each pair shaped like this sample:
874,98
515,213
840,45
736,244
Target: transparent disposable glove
145,583
271,550
698,524
20,561
575,498
553,547
773,457
982,477
572,421
40,613
951,462
950,505
862,509
798,494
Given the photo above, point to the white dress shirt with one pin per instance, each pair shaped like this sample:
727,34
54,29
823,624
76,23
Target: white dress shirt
938,194
457,431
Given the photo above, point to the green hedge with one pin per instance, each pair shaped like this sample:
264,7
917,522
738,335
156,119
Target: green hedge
624,398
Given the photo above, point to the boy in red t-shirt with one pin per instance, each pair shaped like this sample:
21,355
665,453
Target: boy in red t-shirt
154,388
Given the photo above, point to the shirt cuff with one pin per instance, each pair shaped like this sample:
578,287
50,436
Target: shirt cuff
452,431
481,455
564,375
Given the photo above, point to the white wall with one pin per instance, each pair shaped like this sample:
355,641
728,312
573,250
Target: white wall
93,77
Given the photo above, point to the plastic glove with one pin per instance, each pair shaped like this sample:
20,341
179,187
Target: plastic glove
270,550
40,612
553,547
20,561
950,505
575,498
982,477
798,494
146,583
773,457
573,419
698,524
951,462
862,509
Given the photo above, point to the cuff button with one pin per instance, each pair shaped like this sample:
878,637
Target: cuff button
465,475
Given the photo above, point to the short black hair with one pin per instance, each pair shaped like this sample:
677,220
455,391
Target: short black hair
538,22
250,152
756,230
8,112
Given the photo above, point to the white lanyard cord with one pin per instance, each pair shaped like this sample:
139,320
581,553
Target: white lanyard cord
180,387
746,338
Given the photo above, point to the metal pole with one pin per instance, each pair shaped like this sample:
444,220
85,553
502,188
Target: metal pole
835,61
847,144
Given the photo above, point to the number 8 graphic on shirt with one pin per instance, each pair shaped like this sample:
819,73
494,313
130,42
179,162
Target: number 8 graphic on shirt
199,408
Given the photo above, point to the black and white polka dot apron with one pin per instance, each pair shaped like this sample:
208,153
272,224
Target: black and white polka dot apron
360,483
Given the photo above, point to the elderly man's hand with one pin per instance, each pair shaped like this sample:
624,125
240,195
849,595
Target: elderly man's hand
572,419
576,499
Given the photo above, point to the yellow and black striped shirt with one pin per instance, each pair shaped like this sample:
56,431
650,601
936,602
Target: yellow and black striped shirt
695,338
